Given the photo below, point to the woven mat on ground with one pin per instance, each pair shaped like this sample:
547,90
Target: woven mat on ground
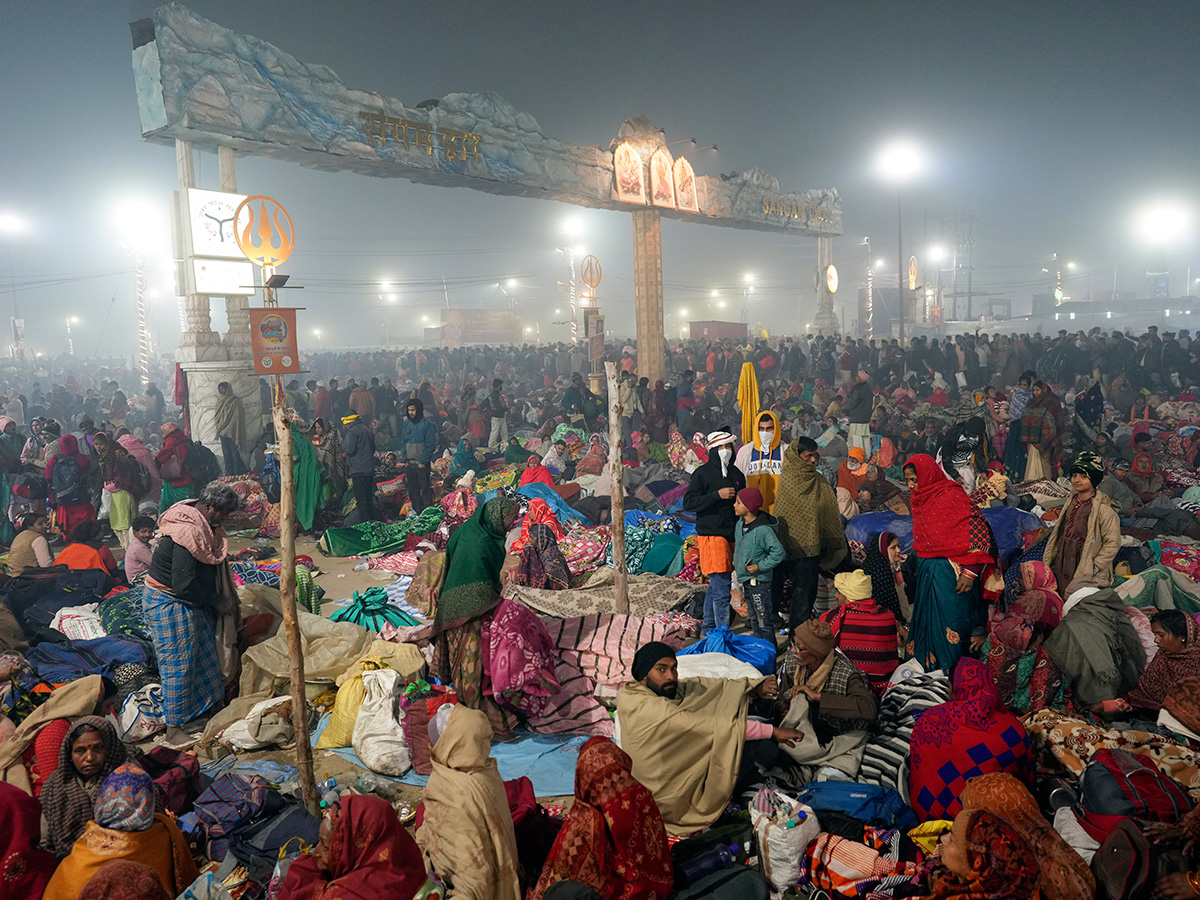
648,594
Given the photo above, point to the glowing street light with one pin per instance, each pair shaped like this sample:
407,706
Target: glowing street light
11,223
937,253
317,335
898,163
71,343
1164,223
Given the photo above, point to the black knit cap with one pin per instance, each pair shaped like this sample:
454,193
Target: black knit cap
647,656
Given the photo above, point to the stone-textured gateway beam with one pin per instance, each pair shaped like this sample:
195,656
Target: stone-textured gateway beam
201,83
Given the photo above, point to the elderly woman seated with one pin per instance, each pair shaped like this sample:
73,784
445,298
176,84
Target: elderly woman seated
89,753
126,827
364,853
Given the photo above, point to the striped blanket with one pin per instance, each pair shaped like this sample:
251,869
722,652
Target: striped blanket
886,755
602,645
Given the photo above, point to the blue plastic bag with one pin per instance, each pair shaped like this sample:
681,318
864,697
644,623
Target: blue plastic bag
869,803
759,653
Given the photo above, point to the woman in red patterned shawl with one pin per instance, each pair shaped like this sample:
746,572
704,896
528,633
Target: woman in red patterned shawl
953,552
614,841
364,854
983,857
970,735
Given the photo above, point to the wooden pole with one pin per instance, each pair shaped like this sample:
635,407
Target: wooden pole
287,596
616,470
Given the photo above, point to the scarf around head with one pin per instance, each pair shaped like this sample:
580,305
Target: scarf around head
1003,867
945,524
184,524
371,856
474,557
67,797
1064,874
126,800
1038,604
1167,670
614,840
878,566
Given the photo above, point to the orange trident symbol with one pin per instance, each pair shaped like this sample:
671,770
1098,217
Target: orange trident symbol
265,238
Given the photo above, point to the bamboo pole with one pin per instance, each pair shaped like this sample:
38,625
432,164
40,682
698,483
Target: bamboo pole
287,596
616,470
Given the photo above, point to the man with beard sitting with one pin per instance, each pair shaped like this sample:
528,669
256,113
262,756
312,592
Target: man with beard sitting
691,742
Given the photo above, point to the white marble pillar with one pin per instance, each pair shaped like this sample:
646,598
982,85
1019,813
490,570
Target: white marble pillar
648,292
825,321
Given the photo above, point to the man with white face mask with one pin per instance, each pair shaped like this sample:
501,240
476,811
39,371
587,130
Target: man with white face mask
761,460
710,496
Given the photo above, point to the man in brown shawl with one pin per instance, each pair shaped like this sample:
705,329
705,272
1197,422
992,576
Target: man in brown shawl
810,527
690,741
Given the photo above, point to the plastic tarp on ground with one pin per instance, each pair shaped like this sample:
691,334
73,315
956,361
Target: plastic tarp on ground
1162,588
548,760
1009,525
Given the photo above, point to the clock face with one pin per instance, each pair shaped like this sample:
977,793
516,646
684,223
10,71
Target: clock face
215,217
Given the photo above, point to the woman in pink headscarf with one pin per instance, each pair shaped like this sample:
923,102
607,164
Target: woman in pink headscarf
139,451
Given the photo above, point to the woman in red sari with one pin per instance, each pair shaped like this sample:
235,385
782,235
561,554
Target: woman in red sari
77,507
364,854
24,869
953,551
614,841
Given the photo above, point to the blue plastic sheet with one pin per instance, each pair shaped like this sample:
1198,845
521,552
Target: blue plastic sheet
1009,525
759,653
547,760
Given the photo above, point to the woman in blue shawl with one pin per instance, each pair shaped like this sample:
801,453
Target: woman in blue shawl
1014,447
463,460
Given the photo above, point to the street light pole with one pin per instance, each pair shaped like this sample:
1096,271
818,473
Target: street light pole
70,343
900,289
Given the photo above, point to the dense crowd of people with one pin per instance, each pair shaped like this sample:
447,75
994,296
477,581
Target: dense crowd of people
965,571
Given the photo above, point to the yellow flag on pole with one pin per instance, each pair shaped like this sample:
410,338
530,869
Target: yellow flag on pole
747,396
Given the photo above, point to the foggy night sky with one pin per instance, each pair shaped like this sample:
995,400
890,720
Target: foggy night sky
1053,123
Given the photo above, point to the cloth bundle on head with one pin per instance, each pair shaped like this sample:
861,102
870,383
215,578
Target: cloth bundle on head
751,498
126,800
1089,464
854,585
816,636
717,439
647,656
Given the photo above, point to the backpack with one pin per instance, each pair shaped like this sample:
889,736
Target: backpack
869,803
270,481
228,802
66,482
139,478
1127,865
201,463
1121,783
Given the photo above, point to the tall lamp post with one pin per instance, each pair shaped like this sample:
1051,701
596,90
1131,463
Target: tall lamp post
70,343
899,163
11,225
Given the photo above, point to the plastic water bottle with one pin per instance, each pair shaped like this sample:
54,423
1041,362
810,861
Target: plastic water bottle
795,820
327,785
329,798
711,860
367,783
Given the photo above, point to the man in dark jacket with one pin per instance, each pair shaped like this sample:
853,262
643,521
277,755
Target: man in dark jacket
498,407
859,402
418,443
358,446
710,495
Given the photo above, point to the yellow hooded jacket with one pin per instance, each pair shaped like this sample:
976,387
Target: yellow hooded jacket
762,467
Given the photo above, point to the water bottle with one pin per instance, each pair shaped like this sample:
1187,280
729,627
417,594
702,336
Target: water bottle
367,783
795,820
327,785
329,798
711,860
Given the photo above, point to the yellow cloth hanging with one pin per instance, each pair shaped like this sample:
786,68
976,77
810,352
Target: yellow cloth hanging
747,396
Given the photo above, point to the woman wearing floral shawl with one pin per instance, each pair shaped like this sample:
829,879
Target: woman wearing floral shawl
542,564
126,827
474,557
614,840
983,857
